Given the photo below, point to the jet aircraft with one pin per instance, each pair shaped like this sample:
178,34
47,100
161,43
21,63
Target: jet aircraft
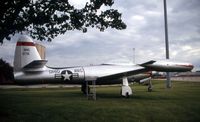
29,68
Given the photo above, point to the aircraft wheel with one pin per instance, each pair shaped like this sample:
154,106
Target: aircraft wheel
150,89
127,95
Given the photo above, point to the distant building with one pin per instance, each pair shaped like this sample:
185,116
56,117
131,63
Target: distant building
187,76
158,75
41,50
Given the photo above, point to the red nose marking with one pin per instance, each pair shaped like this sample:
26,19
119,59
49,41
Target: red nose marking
189,65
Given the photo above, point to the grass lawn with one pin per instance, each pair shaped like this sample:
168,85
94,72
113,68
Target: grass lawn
181,103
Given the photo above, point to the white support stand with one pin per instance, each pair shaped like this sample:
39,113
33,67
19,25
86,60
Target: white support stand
126,89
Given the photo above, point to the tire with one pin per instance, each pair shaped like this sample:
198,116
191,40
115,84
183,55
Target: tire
127,95
149,89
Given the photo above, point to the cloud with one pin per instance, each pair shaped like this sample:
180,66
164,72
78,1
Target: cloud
144,33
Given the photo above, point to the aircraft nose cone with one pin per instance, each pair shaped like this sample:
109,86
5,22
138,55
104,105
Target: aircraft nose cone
191,66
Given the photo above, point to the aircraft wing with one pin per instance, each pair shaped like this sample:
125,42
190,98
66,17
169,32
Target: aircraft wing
136,70
122,74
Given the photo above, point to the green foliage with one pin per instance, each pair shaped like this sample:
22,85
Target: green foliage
6,71
45,19
181,103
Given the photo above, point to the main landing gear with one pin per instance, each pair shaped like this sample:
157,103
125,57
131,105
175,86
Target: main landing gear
85,88
126,89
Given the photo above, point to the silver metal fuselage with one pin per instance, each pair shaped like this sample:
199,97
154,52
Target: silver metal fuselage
77,75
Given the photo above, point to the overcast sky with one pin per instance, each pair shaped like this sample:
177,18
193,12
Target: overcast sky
144,33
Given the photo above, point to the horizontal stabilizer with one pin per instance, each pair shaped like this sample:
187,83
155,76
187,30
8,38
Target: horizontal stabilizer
35,64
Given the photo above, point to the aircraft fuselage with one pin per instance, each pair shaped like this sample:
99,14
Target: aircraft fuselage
73,75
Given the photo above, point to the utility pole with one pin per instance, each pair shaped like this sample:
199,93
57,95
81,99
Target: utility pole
168,81
134,55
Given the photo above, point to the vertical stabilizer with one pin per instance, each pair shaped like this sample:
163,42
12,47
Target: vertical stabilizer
25,52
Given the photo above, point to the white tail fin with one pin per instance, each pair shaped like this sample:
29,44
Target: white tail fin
25,53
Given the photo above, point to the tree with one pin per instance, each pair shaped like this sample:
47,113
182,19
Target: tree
45,19
6,72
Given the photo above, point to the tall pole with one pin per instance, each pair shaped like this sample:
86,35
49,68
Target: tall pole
168,81
134,55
